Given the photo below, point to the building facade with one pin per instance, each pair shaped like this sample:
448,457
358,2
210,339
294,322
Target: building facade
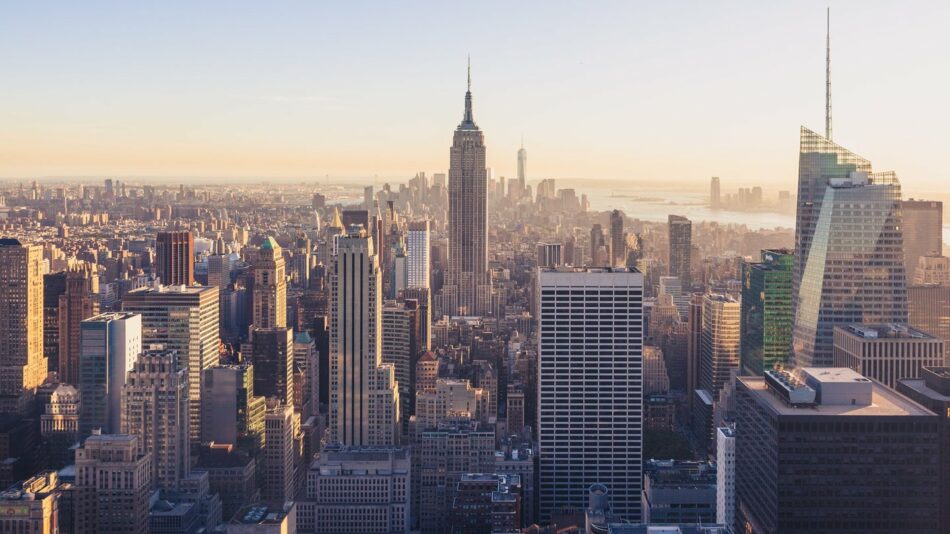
175,258
22,362
887,352
109,346
766,311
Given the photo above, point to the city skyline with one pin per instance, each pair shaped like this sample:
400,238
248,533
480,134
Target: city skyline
213,102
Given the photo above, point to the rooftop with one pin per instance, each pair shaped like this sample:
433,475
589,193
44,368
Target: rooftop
885,331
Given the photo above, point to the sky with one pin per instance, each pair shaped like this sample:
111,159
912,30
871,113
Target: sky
670,92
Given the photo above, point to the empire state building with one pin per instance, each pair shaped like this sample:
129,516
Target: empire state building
468,277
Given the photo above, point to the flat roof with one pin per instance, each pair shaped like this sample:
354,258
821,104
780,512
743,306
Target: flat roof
884,402
886,332
920,386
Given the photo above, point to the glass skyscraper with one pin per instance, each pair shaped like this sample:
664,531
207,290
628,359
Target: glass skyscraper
766,311
849,258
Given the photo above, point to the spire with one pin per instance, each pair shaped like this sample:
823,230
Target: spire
828,77
468,121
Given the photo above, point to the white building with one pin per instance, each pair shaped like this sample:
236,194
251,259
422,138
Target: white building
590,358
109,344
417,251
726,476
279,456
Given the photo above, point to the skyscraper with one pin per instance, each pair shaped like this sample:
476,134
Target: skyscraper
364,399
113,483
278,461
522,170
270,286
766,311
719,352
22,363
618,242
80,301
231,411
928,300
155,409
468,216
681,245
273,358
109,345
923,220
714,193
605,309
219,271
417,253
183,319
175,251
849,262
399,343
886,352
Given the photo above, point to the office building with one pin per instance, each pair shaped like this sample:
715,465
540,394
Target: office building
109,346
219,271
522,170
568,431
79,301
468,217
364,398
679,492
849,263
59,425
263,518
423,298
358,490
175,258
681,247
185,320
306,361
715,197
112,487
549,255
726,476
880,451
719,351
399,347
231,474
33,506
231,411
273,359
270,286
766,311
618,240
514,409
54,286
418,249
450,399
923,222
22,363
487,502
928,309
932,390
931,270
886,352
278,459
694,344
155,410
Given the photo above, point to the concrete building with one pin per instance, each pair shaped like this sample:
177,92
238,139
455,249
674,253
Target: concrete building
726,476
549,255
183,319
270,286
113,483
928,299
679,492
451,399
231,411
605,308
924,219
265,519
364,397
59,425
175,258
79,301
887,352
22,362
109,345
232,474
279,457
487,502
32,506
354,490
155,410
417,253
880,451
219,271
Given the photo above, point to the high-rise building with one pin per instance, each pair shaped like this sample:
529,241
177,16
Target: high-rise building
109,345
34,505
450,399
928,309
468,216
714,193
726,476
270,286
307,364
886,352
679,492
681,247
59,425
219,271
766,311
422,296
155,410
278,460
364,398
231,412
719,352
54,285
618,241
22,363
273,359
881,453
606,307
175,258
522,170
694,345
598,247
849,263
923,220
183,319
113,483
355,489
487,502
80,301
399,347
417,252
549,255
231,474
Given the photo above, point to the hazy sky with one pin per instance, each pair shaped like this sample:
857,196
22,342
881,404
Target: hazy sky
675,91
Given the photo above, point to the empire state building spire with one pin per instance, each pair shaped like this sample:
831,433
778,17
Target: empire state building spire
468,121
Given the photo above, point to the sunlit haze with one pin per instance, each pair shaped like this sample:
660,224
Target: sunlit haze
637,91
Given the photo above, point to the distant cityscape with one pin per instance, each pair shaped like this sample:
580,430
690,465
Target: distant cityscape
465,353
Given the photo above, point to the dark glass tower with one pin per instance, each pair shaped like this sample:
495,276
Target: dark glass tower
766,311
